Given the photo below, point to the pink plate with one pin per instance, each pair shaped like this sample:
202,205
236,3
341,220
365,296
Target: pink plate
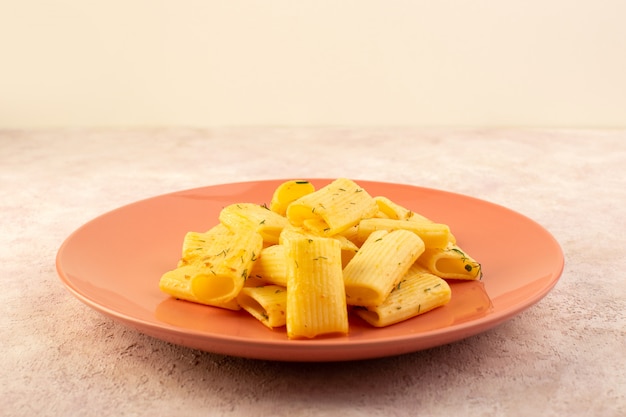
114,262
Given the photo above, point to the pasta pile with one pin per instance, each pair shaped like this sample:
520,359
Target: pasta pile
314,256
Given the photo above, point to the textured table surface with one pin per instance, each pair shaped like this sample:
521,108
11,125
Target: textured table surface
566,355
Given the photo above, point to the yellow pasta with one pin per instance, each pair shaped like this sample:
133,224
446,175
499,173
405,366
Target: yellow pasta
268,304
214,266
451,262
314,255
287,192
391,210
316,300
271,265
352,235
397,212
434,235
259,218
332,209
348,248
195,247
417,293
380,263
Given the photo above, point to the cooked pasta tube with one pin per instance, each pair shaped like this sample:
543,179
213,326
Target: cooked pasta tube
395,211
259,218
271,265
268,304
333,208
434,235
380,263
352,235
316,300
287,192
417,293
348,248
214,266
451,262
389,209
195,247
198,284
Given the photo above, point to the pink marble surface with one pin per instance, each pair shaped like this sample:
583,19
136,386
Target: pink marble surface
563,356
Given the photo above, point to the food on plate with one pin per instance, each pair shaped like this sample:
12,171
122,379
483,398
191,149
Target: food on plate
313,257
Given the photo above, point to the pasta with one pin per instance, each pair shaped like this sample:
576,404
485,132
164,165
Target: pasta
434,235
333,208
259,218
271,266
266,303
287,192
315,256
395,211
316,300
417,293
380,263
451,262
391,210
214,266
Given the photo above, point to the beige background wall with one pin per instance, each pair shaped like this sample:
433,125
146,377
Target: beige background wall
208,63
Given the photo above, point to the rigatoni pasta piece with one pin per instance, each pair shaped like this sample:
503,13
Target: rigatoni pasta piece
380,263
271,265
395,211
333,208
259,218
451,262
316,300
198,284
214,266
352,235
348,248
392,210
417,293
287,192
434,235
195,245
268,304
